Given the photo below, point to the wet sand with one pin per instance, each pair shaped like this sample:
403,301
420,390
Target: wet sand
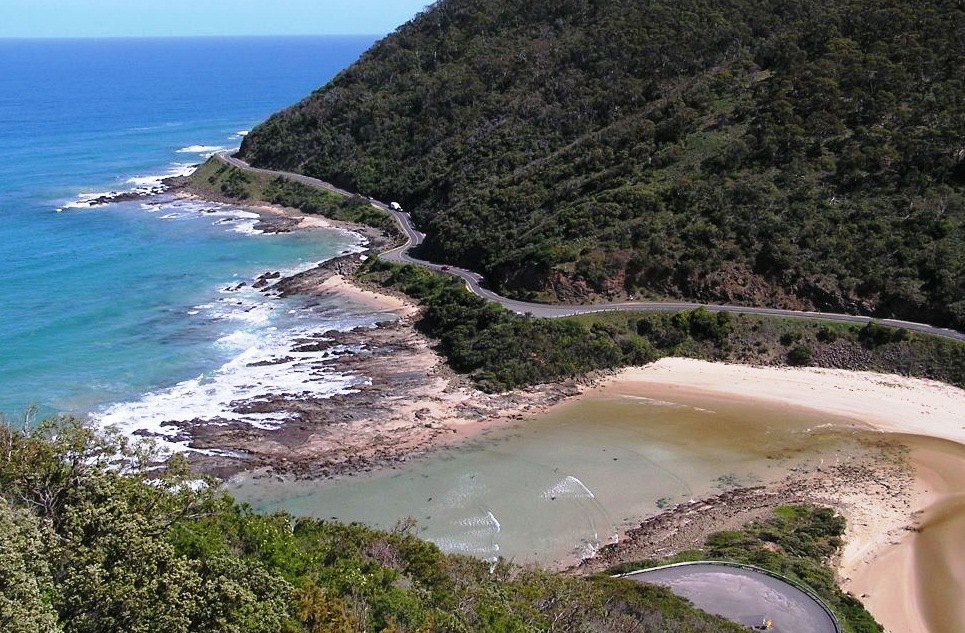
915,584
905,548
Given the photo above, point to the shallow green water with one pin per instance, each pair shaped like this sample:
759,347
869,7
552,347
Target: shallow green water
556,488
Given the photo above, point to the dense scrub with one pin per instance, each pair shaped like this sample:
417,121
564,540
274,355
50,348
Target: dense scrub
501,350
797,542
804,154
92,539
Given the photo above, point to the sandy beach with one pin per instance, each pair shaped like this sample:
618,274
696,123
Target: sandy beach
900,556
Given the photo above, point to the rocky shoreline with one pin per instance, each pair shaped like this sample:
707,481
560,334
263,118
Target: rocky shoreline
406,402
868,485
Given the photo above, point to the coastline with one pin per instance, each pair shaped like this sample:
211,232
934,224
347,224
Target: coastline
413,403
408,403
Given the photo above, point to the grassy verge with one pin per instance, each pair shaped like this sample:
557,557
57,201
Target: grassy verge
220,181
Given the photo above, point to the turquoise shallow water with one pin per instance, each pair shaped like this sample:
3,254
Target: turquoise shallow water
120,310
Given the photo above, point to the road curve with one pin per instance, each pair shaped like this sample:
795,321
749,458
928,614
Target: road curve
746,595
474,281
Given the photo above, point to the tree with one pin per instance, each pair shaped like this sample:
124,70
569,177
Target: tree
799,356
26,586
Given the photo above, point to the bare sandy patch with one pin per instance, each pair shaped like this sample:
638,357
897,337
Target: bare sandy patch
883,402
390,302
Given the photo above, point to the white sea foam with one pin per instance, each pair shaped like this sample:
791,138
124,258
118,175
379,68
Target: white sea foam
153,183
87,200
478,536
235,220
452,545
570,487
487,522
264,361
247,227
204,150
264,365
144,185
240,221
666,403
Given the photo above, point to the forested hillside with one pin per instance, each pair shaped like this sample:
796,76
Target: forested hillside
802,154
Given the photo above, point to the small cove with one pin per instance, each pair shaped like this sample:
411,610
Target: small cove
554,488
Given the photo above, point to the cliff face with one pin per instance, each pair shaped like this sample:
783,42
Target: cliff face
807,154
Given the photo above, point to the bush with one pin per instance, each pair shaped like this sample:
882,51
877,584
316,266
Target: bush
799,356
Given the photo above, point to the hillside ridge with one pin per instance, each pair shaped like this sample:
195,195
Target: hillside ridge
805,157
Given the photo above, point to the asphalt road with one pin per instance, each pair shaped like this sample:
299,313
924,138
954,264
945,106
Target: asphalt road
745,596
475,283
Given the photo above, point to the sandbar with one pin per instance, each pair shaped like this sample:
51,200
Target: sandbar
901,558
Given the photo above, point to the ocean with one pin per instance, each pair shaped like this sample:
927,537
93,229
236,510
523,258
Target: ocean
122,312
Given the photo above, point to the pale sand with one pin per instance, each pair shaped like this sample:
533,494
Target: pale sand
883,402
379,300
885,562
935,550
305,221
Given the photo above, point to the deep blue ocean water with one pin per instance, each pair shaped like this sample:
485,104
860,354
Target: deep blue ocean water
120,310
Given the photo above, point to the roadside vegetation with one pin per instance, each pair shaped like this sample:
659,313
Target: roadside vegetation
217,180
797,542
96,538
501,350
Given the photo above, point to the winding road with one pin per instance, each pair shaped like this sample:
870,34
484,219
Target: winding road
475,283
746,595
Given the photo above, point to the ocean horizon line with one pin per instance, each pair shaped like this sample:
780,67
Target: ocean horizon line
96,38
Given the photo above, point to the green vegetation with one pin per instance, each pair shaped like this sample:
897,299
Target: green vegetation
96,538
804,154
501,350
797,542
313,200
216,179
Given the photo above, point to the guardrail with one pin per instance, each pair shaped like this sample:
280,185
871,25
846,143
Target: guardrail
760,570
